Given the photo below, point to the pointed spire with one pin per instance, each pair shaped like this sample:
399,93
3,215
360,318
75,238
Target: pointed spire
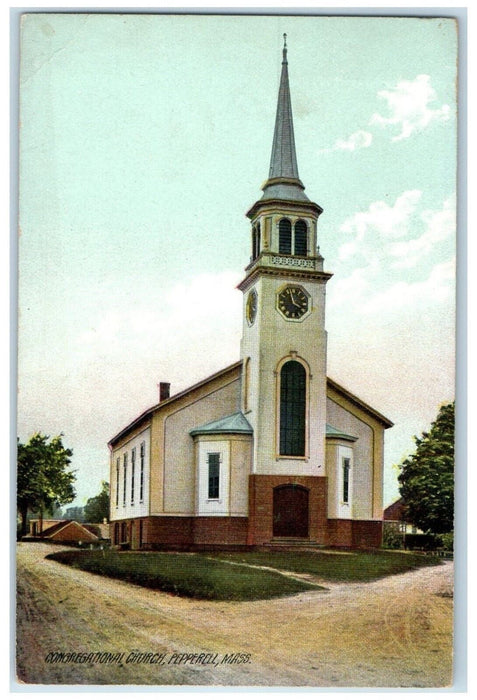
283,160
283,180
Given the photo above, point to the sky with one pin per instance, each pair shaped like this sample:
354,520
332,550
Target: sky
143,142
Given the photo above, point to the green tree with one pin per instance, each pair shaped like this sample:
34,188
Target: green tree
97,508
44,481
427,476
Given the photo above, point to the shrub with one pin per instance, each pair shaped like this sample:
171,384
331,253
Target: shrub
423,542
447,540
392,538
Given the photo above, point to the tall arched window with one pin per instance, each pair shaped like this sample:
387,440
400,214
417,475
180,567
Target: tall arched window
300,238
292,409
284,237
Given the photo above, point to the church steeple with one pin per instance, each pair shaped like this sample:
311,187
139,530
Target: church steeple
283,184
283,160
283,180
284,338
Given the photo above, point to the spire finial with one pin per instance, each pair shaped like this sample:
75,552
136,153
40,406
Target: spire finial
284,48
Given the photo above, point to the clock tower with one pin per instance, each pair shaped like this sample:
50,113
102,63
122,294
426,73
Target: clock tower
284,339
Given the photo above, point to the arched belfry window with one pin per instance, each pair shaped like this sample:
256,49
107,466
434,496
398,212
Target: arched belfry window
292,409
256,243
285,237
300,238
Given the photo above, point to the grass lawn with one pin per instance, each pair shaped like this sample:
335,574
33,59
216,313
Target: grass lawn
190,575
228,576
335,566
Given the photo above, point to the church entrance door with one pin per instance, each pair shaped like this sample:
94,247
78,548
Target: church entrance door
290,511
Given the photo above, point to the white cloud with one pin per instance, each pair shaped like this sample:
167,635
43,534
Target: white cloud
349,289
407,295
388,221
359,139
409,111
441,224
386,239
408,103
183,310
207,295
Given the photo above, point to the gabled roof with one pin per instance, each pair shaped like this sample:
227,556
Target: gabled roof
50,532
395,511
335,433
331,384
235,423
146,415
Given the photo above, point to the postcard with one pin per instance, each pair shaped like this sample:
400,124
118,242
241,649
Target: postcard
236,350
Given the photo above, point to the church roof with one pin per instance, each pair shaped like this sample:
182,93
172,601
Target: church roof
352,398
147,414
235,423
331,384
335,433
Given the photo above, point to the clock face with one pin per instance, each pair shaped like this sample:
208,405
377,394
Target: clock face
292,302
251,309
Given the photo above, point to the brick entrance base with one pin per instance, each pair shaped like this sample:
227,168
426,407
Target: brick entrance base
260,526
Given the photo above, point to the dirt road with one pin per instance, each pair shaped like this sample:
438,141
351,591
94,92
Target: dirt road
396,632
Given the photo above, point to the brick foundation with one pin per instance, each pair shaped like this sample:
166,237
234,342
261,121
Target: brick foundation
171,532
355,534
218,531
179,532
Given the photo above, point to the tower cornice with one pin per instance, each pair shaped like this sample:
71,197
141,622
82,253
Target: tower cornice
285,273
278,205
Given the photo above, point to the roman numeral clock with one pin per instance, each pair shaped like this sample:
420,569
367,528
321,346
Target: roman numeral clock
293,302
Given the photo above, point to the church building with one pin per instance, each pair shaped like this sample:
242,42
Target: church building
269,450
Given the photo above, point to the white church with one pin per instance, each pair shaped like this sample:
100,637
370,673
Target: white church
269,450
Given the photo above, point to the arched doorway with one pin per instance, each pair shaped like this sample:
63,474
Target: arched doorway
290,511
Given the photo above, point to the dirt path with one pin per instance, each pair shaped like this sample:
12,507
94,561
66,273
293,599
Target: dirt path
396,632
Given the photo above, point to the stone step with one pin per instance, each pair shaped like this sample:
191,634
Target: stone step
292,542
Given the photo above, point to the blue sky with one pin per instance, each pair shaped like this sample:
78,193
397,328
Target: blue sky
143,142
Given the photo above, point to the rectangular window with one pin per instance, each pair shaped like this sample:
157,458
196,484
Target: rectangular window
346,468
133,469
117,482
141,473
214,474
125,476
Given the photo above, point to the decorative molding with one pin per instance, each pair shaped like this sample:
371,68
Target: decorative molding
293,262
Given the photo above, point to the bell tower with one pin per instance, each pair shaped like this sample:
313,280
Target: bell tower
284,339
